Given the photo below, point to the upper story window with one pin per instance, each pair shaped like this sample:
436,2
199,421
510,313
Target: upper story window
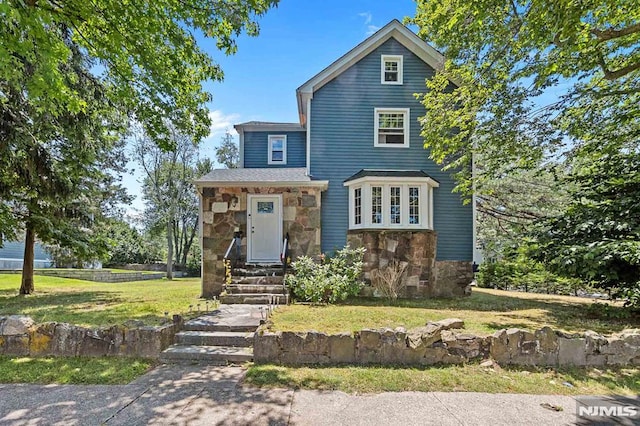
391,127
391,69
277,149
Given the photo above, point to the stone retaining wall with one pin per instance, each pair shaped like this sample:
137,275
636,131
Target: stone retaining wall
445,342
100,275
21,336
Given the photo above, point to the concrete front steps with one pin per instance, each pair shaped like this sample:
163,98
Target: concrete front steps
256,284
222,337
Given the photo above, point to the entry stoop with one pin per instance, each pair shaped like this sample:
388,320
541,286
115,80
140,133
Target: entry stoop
225,336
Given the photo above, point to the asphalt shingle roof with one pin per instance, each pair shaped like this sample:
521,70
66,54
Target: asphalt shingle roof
297,175
388,173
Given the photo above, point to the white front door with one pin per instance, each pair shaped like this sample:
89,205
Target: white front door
264,226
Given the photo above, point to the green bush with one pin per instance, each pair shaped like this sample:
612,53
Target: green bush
528,275
332,280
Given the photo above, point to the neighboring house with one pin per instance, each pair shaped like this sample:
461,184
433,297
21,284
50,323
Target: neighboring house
12,254
352,170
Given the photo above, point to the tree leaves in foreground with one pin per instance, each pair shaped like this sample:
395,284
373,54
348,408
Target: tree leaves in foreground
598,237
57,167
146,50
535,79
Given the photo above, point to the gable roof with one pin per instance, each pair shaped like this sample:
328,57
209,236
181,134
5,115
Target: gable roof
393,29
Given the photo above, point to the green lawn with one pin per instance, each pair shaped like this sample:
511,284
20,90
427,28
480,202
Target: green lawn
484,312
467,378
72,370
90,303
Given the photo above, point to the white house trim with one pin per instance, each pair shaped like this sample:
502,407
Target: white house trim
394,29
321,184
270,159
365,184
391,58
392,179
308,125
406,121
240,131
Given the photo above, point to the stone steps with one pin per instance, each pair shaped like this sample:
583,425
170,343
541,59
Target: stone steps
215,338
209,354
256,288
257,272
255,298
224,336
262,280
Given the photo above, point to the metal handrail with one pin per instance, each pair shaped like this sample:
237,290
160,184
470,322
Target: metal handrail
226,255
284,255
285,246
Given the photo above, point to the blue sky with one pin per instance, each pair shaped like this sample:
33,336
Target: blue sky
297,40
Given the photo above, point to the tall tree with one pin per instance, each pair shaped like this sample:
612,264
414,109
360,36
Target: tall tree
57,168
507,59
510,207
597,237
170,198
227,153
147,51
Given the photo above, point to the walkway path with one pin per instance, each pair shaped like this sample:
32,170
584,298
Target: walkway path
209,395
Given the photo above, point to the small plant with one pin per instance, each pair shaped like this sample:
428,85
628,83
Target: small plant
390,281
332,280
227,272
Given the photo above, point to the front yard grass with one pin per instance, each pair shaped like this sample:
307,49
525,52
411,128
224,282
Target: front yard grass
93,304
467,378
72,370
484,312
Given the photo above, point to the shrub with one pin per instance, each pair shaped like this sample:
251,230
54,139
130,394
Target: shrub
389,282
527,275
332,280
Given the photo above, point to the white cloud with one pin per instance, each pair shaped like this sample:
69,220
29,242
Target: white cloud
367,17
372,29
221,122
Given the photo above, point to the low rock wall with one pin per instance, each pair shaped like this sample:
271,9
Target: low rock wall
99,275
445,342
21,336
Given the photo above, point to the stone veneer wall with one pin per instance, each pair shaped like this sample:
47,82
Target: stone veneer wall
21,336
301,219
425,276
444,343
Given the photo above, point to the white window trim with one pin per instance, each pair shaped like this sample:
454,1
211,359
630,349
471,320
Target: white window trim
426,186
376,125
284,149
399,60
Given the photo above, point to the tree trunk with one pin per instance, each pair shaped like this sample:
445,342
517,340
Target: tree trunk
27,265
169,250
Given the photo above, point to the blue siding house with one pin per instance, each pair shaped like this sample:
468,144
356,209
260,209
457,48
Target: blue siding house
352,170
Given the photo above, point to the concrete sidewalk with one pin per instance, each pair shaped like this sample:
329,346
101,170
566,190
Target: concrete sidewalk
208,395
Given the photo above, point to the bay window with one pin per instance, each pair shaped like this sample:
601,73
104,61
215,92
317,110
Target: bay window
389,202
